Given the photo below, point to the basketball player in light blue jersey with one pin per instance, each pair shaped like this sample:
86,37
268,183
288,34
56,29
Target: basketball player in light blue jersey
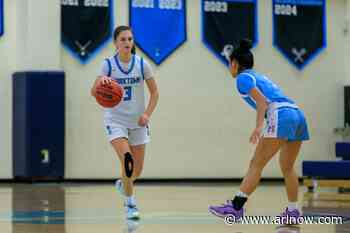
127,124
285,130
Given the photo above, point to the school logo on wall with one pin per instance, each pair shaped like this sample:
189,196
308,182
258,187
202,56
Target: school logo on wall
299,30
86,26
226,22
159,26
1,17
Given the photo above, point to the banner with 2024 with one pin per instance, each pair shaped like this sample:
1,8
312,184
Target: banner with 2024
299,29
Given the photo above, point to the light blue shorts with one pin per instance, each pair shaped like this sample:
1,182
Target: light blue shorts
286,123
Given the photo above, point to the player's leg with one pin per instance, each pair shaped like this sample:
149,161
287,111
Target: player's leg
122,148
267,147
136,142
118,136
138,139
299,132
265,150
288,156
138,152
138,155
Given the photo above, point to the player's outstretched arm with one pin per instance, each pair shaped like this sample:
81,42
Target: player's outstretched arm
261,107
154,96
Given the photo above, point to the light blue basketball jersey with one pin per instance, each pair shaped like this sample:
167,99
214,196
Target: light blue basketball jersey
249,79
284,119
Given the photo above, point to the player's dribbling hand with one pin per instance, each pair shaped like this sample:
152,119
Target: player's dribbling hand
106,80
143,120
255,136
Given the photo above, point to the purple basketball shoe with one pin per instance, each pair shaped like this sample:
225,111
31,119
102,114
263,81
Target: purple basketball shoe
290,217
226,209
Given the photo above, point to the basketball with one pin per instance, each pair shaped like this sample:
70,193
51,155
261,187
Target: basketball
109,95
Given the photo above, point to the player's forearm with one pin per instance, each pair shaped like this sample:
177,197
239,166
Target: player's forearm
261,110
153,101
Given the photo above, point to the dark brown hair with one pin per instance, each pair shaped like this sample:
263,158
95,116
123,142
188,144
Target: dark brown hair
120,29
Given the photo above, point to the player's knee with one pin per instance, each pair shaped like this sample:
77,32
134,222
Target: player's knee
128,165
287,171
286,167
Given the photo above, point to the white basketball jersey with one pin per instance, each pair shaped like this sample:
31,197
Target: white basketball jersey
131,78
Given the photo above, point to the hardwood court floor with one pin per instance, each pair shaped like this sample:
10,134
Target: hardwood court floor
166,208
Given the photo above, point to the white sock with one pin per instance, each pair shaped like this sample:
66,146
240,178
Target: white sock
131,200
241,194
292,206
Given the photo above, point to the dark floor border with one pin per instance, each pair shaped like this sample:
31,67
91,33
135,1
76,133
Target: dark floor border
143,180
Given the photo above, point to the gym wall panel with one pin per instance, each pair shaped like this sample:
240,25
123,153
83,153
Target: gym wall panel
201,126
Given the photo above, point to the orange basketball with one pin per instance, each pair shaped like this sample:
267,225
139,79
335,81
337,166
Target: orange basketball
109,95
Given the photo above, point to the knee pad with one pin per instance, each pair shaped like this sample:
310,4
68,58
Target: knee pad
128,164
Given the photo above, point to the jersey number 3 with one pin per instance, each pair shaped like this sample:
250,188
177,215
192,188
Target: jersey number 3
127,93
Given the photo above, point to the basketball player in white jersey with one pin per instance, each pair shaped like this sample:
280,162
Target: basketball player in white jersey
127,123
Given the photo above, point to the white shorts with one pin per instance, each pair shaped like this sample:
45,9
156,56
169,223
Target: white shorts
137,136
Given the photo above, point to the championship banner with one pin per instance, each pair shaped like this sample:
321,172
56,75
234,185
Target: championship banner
299,29
226,22
1,17
86,26
159,26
